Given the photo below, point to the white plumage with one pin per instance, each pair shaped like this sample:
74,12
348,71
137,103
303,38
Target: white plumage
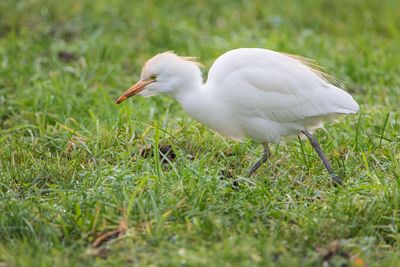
268,95
250,92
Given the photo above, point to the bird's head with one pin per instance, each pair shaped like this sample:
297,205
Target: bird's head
165,73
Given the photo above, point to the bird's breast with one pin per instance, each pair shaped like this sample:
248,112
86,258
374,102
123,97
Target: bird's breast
212,113
219,120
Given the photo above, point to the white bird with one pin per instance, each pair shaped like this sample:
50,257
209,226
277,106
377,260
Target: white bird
250,92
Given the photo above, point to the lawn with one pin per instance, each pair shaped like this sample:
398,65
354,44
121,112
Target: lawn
82,182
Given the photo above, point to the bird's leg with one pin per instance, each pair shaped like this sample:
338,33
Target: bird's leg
313,141
265,156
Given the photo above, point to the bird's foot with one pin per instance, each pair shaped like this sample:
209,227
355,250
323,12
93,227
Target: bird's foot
254,168
337,180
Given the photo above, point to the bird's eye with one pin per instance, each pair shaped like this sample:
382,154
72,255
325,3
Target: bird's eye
153,77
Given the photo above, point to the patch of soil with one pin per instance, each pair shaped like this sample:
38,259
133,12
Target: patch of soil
67,56
167,154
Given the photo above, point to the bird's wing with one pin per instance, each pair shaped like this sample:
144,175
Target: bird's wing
267,84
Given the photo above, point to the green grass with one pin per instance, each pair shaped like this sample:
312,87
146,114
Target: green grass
70,164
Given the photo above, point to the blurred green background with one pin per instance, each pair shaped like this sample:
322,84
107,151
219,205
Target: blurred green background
72,164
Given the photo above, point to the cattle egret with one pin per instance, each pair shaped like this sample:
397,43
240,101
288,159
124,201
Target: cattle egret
250,92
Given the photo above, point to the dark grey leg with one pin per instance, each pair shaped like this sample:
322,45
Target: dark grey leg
265,156
313,141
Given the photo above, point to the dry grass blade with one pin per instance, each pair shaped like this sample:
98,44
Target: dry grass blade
107,236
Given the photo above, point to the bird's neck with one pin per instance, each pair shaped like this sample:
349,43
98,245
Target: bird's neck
201,103
195,99
188,92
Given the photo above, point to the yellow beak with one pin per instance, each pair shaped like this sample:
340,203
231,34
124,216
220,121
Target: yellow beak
135,89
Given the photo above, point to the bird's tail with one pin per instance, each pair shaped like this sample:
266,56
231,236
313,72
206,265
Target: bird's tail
344,102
